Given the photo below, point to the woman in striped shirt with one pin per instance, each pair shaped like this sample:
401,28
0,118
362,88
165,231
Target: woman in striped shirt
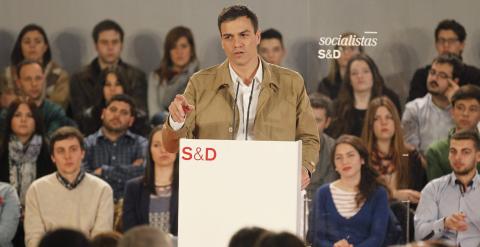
353,210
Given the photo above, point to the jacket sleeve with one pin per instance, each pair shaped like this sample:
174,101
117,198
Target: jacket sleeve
380,218
152,95
33,224
434,160
129,201
139,91
306,130
9,213
319,220
104,217
78,102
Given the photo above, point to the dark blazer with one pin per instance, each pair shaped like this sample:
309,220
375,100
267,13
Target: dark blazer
44,163
136,206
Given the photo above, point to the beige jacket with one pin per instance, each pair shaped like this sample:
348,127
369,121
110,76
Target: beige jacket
283,110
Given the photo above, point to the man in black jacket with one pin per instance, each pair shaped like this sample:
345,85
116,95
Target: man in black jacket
449,38
85,86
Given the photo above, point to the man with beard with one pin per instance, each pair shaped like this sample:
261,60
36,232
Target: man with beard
450,38
113,152
466,115
448,207
427,119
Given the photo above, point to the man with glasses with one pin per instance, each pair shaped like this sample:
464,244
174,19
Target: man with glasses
427,119
449,38
466,115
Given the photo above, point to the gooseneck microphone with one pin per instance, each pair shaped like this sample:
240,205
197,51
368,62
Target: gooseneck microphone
234,110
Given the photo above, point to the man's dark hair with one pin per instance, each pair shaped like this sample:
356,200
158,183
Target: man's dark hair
247,237
468,91
233,12
453,60
450,24
126,99
272,34
64,133
106,25
467,135
318,100
64,237
25,63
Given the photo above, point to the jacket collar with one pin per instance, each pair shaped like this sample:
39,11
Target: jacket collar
223,78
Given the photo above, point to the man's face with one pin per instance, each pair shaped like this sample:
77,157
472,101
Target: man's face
447,42
321,118
67,156
239,41
117,117
109,46
31,81
271,50
438,78
463,156
466,114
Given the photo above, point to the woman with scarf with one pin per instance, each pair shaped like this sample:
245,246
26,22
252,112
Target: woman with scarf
24,154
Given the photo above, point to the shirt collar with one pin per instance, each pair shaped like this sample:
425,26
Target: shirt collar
258,75
475,180
99,134
70,186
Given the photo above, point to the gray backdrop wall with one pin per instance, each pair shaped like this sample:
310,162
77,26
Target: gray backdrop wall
404,30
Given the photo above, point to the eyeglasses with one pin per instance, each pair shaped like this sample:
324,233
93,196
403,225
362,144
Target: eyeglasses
447,41
440,75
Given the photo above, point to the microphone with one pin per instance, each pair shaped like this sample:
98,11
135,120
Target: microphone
234,110
248,109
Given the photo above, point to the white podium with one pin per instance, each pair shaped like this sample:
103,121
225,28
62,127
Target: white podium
227,185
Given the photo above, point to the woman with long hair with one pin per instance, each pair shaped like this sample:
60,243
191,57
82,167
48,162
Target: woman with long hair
113,83
352,210
32,44
399,166
24,154
153,198
362,83
331,84
179,62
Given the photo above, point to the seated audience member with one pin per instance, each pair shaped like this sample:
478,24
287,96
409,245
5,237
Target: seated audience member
9,214
362,83
331,84
113,81
153,198
246,237
399,167
64,237
69,197
466,116
32,44
179,62
282,239
353,210
106,239
428,119
271,47
113,152
31,79
449,38
86,89
324,172
145,236
24,154
448,207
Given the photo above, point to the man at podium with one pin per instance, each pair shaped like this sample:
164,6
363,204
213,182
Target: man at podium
244,98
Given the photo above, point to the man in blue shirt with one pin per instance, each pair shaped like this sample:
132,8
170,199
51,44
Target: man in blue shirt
113,152
448,207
